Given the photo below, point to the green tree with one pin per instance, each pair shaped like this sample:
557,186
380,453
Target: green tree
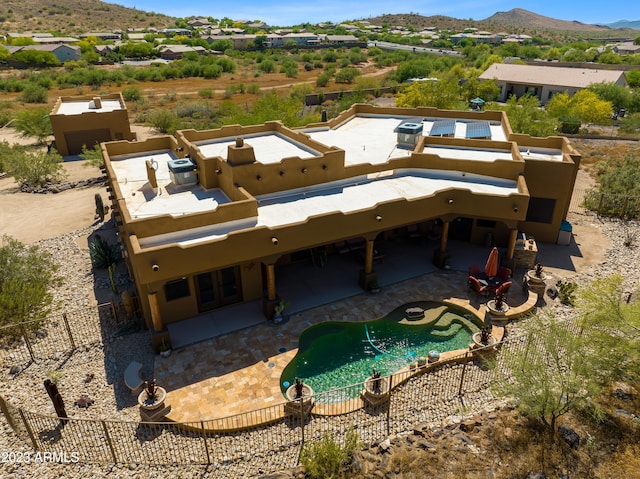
585,106
34,123
260,42
526,116
552,375
439,94
633,78
26,272
612,328
618,95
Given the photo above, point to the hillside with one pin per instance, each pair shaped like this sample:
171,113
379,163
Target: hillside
518,17
73,17
515,20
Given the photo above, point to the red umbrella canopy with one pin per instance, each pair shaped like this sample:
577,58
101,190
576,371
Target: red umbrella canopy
491,268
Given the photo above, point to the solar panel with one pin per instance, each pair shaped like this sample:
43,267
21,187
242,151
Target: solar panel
478,129
443,128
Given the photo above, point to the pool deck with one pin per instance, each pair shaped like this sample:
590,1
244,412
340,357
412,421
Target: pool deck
240,372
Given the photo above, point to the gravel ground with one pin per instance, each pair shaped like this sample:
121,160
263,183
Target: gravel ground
95,371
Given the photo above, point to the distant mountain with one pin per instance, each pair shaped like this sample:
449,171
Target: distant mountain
521,18
75,16
634,25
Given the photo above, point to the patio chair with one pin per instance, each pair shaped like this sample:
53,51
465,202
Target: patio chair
475,285
504,288
504,273
474,270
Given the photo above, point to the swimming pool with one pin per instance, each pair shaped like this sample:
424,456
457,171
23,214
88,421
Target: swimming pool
337,354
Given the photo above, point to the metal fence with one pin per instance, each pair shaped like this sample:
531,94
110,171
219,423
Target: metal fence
617,206
237,449
62,333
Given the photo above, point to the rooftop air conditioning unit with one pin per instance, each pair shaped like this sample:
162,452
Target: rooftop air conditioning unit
182,171
409,134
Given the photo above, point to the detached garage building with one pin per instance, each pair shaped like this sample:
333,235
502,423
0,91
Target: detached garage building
79,121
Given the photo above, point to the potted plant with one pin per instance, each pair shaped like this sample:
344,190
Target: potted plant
164,349
376,388
374,287
498,306
537,275
278,309
300,396
484,338
152,396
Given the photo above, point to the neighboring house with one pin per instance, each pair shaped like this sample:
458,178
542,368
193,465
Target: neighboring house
200,22
54,40
63,52
626,48
79,121
338,39
208,218
175,52
545,81
103,36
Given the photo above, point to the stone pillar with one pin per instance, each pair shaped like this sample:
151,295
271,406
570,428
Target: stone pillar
155,311
271,282
368,257
511,247
445,236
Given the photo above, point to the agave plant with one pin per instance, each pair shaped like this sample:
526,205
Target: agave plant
105,256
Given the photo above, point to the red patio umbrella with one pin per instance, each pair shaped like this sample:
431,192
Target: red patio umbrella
491,268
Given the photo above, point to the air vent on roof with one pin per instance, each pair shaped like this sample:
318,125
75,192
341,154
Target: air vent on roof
96,103
409,134
182,171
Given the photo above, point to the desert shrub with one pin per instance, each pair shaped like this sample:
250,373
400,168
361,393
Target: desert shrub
132,93
289,68
323,79
34,168
324,459
212,71
253,88
165,121
34,94
267,66
347,75
206,93
26,272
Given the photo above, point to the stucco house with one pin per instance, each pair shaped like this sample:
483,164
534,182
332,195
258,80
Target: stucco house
87,120
206,219
545,81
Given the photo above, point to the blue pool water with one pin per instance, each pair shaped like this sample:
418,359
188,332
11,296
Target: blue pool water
338,354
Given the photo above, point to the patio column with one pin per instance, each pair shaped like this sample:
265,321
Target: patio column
271,282
444,237
155,311
368,257
511,246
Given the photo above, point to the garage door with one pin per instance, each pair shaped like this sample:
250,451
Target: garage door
75,139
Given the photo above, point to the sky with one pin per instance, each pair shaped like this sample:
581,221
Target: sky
293,12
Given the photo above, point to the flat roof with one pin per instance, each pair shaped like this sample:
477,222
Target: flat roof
372,138
84,106
346,196
548,154
269,147
462,153
142,201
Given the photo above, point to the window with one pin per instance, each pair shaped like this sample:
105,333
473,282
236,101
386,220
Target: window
176,289
541,210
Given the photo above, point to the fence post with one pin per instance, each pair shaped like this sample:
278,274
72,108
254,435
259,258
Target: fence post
204,438
114,313
600,203
5,411
66,325
389,404
108,437
464,369
302,420
26,340
29,431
